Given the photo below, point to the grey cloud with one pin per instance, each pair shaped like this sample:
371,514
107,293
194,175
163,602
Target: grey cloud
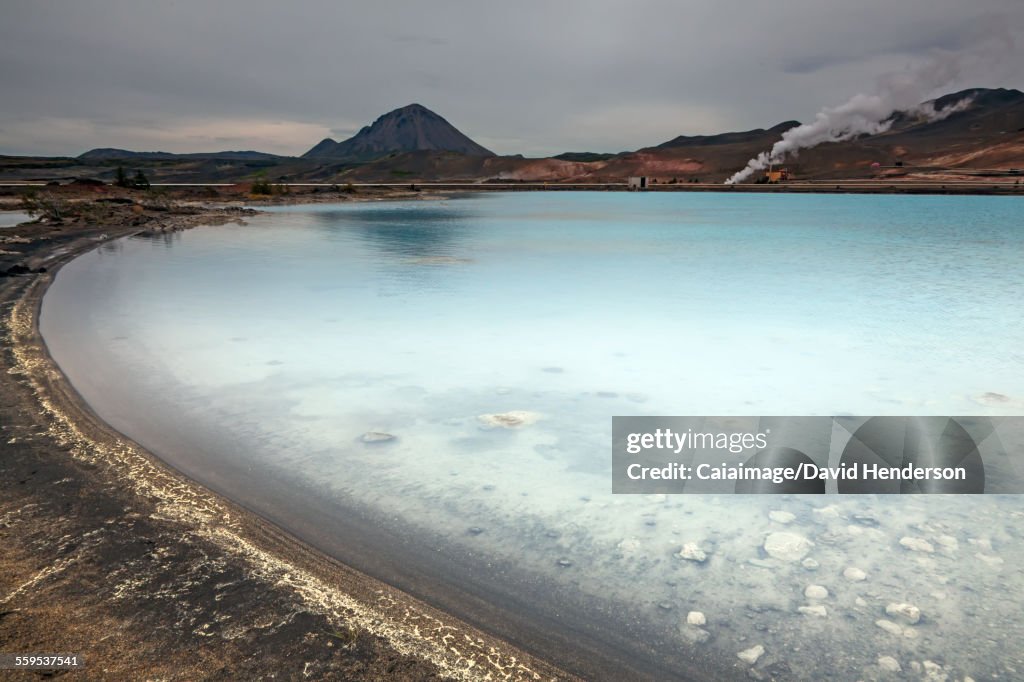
419,40
947,38
534,77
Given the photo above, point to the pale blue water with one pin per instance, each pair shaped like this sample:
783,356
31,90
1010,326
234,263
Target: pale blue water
273,346
12,218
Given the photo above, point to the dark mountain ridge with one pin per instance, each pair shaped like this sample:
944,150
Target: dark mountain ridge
410,128
727,138
414,144
109,153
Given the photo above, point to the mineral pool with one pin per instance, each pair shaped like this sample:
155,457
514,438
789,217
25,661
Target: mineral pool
425,390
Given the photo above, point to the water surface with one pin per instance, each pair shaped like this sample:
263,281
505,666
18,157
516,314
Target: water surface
256,357
12,218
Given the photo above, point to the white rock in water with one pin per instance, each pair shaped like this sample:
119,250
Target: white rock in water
810,564
854,574
695,635
917,544
782,517
889,664
750,656
906,612
696,618
817,610
984,543
377,437
816,592
829,512
948,542
762,563
509,420
990,560
933,672
787,546
889,626
691,552
629,546
859,601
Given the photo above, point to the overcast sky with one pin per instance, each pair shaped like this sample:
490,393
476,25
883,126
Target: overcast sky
535,78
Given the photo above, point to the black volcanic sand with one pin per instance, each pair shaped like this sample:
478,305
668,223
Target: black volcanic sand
110,554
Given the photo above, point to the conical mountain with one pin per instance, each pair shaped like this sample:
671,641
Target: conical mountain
411,128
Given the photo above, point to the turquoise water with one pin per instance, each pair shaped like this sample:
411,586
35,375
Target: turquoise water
272,348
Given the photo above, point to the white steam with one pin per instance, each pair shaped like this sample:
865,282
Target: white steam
871,114
929,112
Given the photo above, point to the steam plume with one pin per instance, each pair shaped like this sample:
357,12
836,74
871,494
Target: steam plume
871,114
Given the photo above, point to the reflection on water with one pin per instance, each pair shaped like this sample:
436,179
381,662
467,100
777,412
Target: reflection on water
287,347
167,239
401,229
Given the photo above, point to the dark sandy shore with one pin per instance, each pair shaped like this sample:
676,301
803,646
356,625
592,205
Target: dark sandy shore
110,554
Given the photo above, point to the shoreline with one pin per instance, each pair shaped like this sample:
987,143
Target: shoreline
148,572
309,193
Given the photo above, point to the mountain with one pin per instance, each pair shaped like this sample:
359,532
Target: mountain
109,153
411,128
758,135
323,149
585,156
987,133
983,136
984,112
683,158
982,98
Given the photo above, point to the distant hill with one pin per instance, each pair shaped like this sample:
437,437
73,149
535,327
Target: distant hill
413,144
990,112
983,98
111,154
758,136
585,156
987,133
411,128
683,158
